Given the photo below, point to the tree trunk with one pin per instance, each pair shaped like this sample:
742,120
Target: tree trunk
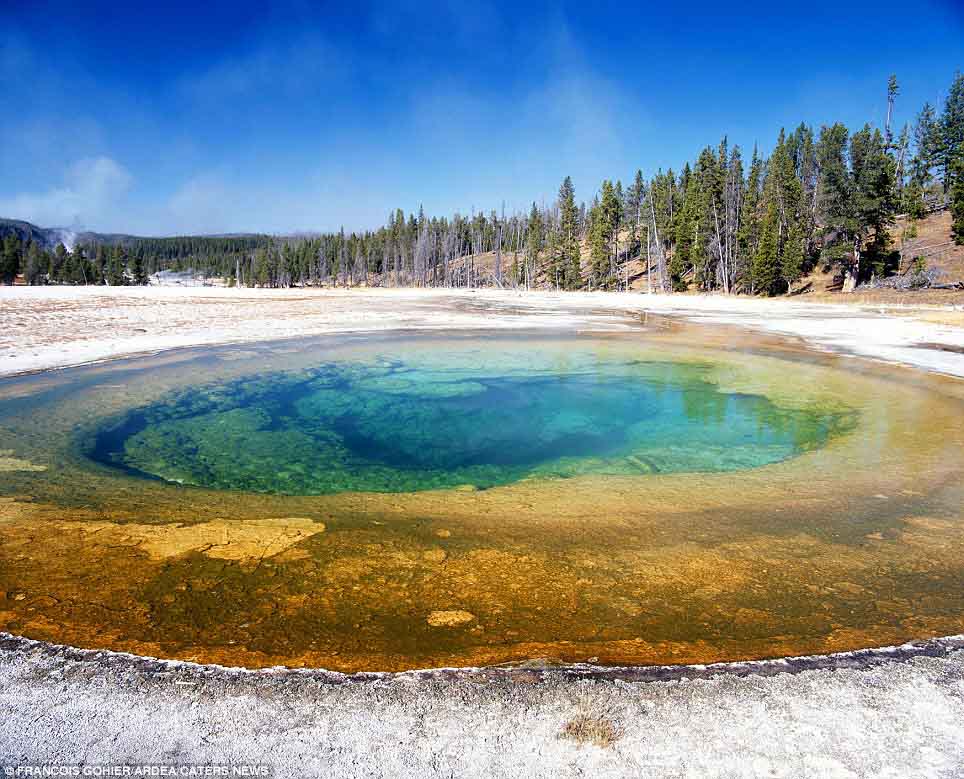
649,263
498,257
852,273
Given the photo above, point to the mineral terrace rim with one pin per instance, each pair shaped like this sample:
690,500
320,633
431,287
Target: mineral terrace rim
857,659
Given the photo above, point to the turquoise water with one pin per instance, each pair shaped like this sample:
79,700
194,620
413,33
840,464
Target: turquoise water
389,426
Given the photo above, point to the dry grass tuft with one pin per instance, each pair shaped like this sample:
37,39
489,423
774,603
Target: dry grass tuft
591,729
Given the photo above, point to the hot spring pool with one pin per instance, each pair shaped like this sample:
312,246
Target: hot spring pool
394,426
405,501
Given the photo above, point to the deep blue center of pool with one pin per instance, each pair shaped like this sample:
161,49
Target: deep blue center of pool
396,427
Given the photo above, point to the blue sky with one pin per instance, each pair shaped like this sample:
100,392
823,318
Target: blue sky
226,116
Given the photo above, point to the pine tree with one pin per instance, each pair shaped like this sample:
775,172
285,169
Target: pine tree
661,205
765,267
100,265
552,268
751,219
598,245
728,220
927,143
10,258
874,196
568,267
534,244
705,202
951,140
114,274
835,203
57,260
634,212
35,265
785,190
685,230
892,91
77,273
137,270
806,165
922,162
952,151
792,256
611,215
957,200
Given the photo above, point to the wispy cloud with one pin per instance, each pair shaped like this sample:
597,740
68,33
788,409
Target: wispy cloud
564,117
203,204
450,22
92,188
270,70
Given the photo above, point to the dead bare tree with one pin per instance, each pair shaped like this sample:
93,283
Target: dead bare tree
660,254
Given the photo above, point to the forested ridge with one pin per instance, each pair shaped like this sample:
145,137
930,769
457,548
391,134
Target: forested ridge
724,222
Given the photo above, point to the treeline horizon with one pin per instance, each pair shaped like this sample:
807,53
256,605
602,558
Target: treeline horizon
723,223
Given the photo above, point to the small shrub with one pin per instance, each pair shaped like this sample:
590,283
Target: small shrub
590,729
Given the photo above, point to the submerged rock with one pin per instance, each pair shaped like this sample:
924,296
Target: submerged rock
449,619
9,463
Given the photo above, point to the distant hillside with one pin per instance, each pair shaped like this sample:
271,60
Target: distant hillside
49,237
924,244
929,242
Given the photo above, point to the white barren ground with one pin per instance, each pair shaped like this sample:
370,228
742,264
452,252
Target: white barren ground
892,716
54,327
